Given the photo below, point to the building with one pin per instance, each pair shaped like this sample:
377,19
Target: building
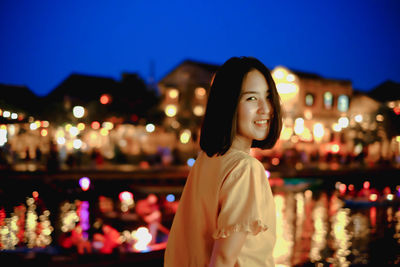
313,106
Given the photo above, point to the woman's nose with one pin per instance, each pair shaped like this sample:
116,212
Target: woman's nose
264,107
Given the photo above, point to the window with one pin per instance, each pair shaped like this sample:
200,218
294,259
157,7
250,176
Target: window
309,99
343,103
328,100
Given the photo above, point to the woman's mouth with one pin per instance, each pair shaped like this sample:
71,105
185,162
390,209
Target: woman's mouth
261,123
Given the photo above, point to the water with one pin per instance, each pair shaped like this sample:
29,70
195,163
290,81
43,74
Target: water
318,223
328,228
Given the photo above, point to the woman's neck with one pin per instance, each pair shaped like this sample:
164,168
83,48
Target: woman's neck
241,143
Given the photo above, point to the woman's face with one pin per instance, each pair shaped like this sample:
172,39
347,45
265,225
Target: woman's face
254,107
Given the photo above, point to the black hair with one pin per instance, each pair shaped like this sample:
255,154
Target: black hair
220,120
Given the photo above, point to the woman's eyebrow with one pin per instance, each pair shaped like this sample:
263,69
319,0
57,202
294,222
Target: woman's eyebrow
250,92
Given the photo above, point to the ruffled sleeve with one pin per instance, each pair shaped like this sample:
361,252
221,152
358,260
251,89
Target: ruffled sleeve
242,200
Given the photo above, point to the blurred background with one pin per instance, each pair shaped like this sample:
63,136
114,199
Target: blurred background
100,112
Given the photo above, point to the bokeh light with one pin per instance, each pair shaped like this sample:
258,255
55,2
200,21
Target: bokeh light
84,183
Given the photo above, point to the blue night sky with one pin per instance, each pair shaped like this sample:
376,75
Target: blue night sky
43,42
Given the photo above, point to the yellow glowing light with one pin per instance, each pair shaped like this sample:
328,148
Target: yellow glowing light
335,148
286,133
59,133
78,111
170,110
68,127
185,136
3,127
343,122
200,92
336,127
373,197
389,197
107,125
198,110
358,118
398,138
43,132
173,93
81,126
318,131
306,135
104,132
69,145
150,128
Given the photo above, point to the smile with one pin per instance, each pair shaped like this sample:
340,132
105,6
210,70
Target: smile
261,122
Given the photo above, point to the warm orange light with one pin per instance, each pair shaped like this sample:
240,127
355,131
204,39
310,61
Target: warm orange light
105,99
373,197
275,161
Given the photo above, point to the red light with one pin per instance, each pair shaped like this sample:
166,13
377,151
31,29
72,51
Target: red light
95,125
351,187
125,196
134,118
396,110
366,185
342,188
35,194
105,99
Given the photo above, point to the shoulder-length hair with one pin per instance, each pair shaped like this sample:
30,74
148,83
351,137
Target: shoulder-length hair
220,120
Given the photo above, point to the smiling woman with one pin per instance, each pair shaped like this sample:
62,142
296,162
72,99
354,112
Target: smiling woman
226,215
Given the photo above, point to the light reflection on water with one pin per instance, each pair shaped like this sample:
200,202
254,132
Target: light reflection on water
321,230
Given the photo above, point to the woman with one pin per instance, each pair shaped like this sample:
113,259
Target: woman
226,214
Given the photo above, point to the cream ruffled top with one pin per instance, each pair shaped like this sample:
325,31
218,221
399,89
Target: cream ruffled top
223,194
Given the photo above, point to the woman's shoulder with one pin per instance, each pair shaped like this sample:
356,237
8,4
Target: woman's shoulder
243,160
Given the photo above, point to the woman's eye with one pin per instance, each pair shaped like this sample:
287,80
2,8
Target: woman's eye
252,98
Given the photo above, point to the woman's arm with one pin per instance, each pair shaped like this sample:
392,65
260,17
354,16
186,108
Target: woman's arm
226,250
